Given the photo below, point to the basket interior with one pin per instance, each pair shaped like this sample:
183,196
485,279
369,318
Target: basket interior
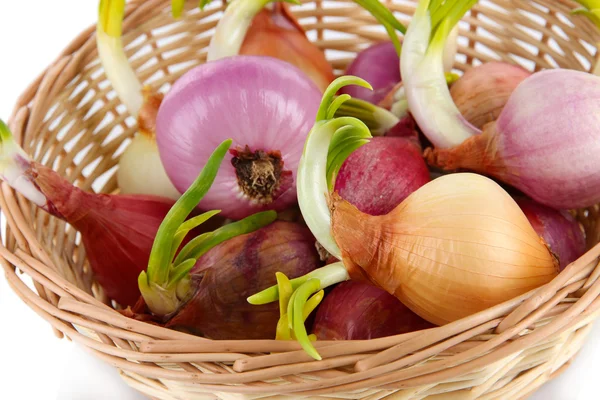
79,128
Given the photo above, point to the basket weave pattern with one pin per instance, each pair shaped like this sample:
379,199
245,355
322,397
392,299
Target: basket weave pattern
70,119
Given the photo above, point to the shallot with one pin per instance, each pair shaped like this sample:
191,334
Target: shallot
544,142
140,169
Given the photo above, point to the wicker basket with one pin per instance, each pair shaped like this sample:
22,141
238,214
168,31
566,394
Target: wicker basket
69,119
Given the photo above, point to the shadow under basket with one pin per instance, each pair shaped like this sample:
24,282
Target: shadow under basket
70,120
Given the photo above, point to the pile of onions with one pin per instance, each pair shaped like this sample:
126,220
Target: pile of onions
226,99
423,251
360,311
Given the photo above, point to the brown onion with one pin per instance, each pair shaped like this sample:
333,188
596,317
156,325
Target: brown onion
482,92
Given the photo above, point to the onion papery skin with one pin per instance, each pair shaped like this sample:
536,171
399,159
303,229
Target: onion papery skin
545,142
378,65
381,174
458,245
483,91
229,273
276,33
559,229
360,311
259,102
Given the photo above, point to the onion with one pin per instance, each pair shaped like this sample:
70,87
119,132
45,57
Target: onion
265,105
247,28
359,311
544,143
201,287
140,169
437,251
229,273
378,65
381,174
563,234
482,92
117,231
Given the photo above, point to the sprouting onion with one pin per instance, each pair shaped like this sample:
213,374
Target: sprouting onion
166,283
422,69
112,55
140,168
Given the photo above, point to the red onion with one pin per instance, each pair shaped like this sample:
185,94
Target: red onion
360,311
226,275
117,231
559,229
265,105
545,142
378,65
381,174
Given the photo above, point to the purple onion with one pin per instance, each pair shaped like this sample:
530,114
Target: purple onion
559,229
379,65
229,273
545,143
359,311
381,174
266,106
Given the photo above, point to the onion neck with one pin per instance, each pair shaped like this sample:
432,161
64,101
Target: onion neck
422,70
478,154
166,285
114,60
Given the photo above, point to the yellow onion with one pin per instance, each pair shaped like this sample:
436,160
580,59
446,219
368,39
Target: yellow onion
482,92
458,245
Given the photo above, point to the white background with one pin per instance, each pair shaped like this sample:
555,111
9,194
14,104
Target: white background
36,365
